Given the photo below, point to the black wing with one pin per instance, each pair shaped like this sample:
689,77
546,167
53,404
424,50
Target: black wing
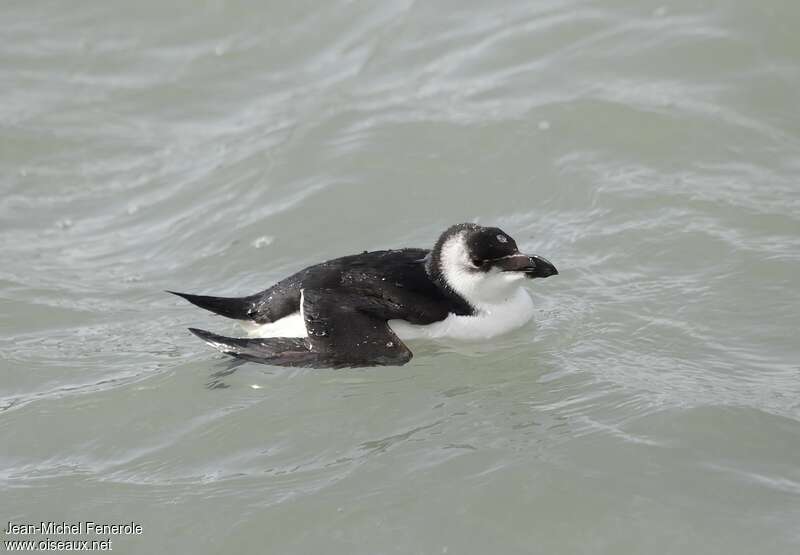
350,329
280,351
344,330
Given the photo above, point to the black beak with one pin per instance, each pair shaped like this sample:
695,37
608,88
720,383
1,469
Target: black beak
533,266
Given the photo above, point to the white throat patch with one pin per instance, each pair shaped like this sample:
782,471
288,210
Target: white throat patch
483,290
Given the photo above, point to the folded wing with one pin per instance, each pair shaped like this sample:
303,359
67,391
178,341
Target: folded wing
344,330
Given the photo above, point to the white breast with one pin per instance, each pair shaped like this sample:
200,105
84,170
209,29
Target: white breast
490,321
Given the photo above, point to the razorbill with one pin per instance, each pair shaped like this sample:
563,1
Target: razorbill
357,310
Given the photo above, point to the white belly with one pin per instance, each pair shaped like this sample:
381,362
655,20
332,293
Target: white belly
288,326
491,321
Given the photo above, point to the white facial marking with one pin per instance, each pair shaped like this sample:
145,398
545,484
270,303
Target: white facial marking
481,289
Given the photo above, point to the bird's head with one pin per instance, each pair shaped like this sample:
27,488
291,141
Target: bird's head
483,264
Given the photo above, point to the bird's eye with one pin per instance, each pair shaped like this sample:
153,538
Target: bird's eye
476,262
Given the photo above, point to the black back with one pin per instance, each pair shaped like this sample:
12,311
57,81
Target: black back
398,277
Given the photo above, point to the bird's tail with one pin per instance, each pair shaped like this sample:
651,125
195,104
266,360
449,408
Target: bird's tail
230,307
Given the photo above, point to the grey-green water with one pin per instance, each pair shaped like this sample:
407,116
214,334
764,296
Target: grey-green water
650,150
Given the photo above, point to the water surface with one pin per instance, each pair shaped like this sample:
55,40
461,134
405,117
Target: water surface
650,151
